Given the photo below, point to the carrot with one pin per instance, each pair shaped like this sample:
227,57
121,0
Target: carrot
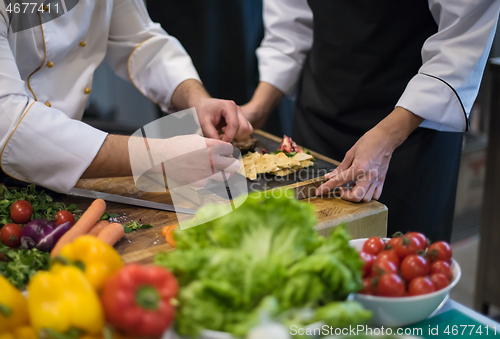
88,219
165,229
98,227
169,237
111,234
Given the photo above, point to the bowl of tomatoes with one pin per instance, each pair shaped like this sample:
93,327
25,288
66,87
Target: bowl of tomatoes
406,279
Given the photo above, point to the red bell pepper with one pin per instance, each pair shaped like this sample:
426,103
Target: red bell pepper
138,300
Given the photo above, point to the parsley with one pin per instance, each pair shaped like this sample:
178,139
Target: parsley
107,216
135,226
22,264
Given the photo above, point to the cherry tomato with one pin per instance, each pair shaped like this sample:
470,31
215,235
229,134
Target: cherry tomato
383,267
421,237
439,280
21,211
367,286
420,285
440,250
388,255
374,245
390,244
368,260
63,217
10,235
390,285
443,268
406,246
414,266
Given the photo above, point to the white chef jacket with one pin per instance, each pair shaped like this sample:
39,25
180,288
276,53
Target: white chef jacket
46,77
453,59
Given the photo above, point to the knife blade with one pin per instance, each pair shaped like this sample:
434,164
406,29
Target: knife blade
78,192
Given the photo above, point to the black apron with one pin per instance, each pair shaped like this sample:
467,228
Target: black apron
363,56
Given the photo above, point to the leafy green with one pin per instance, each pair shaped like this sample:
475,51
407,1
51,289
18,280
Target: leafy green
135,226
262,261
107,216
22,264
43,205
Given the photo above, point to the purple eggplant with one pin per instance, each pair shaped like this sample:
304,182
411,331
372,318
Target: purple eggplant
42,234
48,242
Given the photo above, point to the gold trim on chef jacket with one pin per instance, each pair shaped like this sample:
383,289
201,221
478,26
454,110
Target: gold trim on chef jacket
83,44
44,57
87,90
34,96
10,136
128,67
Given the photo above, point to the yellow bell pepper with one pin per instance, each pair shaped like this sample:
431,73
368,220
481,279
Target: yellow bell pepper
98,260
13,307
25,332
63,299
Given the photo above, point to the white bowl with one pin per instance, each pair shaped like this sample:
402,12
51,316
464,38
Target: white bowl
397,312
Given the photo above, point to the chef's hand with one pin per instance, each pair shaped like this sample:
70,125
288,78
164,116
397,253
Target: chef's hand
367,162
214,114
223,115
264,100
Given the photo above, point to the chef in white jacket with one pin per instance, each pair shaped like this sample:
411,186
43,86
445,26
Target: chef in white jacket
46,71
385,85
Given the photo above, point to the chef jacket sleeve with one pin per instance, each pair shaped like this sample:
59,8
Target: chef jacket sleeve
39,144
454,59
140,51
287,41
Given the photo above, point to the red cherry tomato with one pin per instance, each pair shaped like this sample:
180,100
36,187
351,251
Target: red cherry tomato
10,235
388,255
367,286
374,245
390,243
21,211
414,266
406,246
390,285
63,217
421,237
368,260
420,285
440,250
443,268
383,267
439,280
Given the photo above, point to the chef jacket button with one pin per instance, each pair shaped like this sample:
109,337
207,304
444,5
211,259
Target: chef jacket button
87,90
83,44
45,8
50,64
48,104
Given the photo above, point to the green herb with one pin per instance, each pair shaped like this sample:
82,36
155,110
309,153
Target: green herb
262,261
135,226
107,216
43,205
22,264
290,155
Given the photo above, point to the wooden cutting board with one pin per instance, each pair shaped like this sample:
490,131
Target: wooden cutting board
362,219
